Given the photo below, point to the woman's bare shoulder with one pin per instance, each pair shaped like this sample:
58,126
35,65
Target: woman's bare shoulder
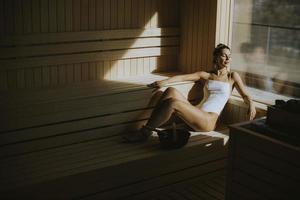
235,76
204,74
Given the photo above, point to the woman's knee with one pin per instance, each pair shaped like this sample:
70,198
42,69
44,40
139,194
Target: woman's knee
170,91
171,102
173,93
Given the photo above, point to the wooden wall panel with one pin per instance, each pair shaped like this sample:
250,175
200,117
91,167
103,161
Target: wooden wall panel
88,15
9,15
61,16
2,24
92,15
127,13
39,17
27,18
18,16
224,21
76,15
68,15
52,16
44,16
198,26
36,19
99,14
204,24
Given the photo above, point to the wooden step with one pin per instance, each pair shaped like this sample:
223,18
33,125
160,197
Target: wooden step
110,163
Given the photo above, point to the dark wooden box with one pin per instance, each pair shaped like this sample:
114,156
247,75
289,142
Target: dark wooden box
282,119
261,166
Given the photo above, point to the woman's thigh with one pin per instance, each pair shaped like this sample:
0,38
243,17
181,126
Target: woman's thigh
173,93
196,118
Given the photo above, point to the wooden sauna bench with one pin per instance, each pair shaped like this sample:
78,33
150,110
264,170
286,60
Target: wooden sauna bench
65,143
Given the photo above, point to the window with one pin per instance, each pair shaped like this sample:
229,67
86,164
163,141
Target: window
266,44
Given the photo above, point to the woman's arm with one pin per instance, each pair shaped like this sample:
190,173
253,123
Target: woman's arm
179,78
238,84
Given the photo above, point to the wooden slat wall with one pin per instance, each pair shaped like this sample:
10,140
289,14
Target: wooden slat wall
19,17
204,24
198,28
37,17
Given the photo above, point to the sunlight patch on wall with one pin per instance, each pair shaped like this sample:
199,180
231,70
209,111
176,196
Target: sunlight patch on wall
141,57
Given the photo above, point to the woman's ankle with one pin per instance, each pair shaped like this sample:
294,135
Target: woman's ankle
146,131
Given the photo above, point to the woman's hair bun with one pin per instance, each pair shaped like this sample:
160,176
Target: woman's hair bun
220,45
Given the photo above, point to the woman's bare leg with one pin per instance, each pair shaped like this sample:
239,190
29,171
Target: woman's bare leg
169,93
171,103
156,100
193,116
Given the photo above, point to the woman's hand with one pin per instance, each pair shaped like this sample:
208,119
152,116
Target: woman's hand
157,84
251,111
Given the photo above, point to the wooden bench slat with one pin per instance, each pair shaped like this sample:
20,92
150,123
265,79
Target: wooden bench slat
119,99
219,183
75,91
49,168
46,117
86,57
211,191
82,147
199,193
11,125
164,180
11,100
47,38
58,104
141,153
69,138
72,48
82,89
72,151
15,121
76,190
187,188
187,195
220,189
202,193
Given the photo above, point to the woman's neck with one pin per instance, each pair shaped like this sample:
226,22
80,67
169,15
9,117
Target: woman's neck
221,72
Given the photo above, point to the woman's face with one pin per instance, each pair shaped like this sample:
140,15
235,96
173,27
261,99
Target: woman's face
224,59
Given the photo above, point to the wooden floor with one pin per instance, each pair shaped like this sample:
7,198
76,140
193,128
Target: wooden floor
211,189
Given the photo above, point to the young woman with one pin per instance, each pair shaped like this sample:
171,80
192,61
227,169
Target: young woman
218,87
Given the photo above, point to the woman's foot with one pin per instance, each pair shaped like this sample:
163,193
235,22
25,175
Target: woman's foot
139,136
